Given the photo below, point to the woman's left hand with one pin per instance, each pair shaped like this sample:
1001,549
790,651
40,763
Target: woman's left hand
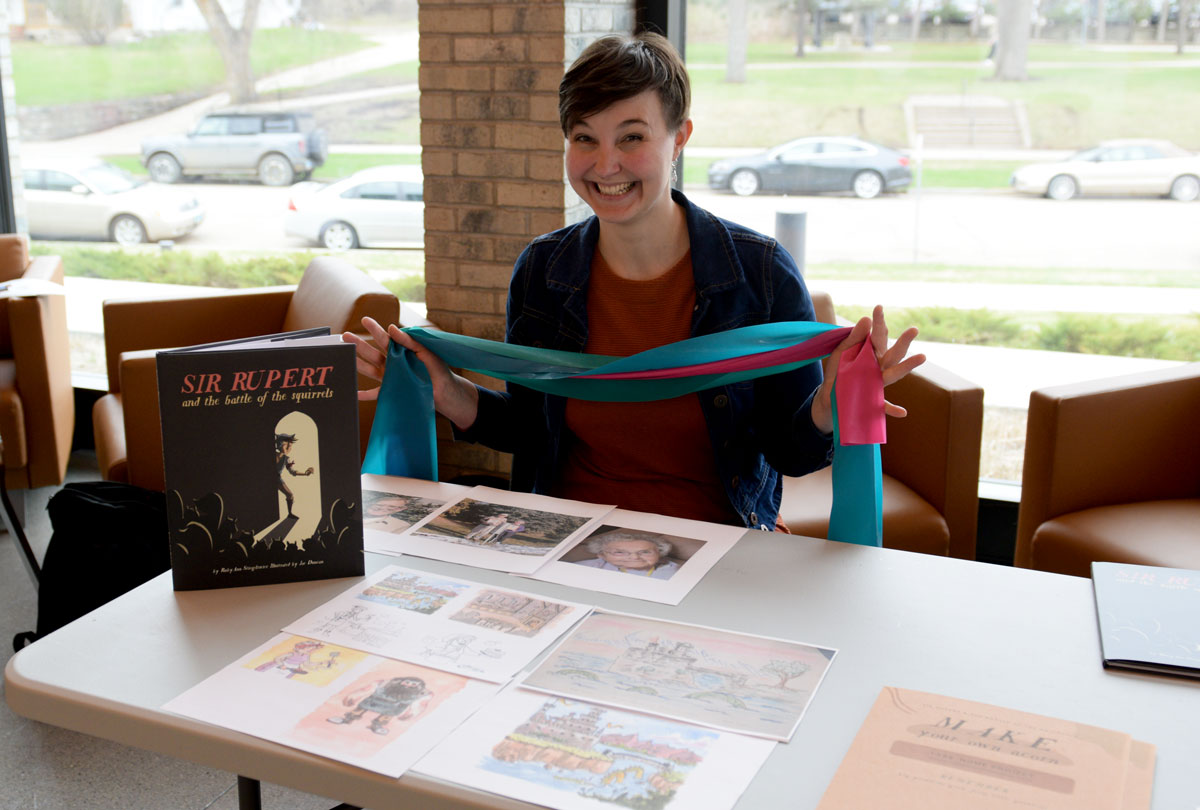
893,362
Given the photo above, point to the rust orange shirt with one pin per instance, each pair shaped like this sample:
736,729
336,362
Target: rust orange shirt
645,456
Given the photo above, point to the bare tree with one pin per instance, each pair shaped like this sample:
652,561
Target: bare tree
735,59
785,670
801,8
1181,33
1012,42
234,45
915,33
1101,20
93,20
1161,34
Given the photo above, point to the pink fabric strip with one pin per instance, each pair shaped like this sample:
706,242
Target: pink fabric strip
859,384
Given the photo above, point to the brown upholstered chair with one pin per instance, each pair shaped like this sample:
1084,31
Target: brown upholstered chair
1112,473
126,423
37,401
930,466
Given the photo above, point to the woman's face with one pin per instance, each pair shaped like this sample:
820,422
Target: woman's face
635,555
619,159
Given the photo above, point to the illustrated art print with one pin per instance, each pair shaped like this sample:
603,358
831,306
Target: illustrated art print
572,755
716,678
447,623
643,556
505,531
341,703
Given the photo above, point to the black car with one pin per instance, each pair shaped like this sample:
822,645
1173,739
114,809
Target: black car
818,163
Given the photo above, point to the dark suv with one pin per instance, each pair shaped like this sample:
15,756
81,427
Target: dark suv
279,147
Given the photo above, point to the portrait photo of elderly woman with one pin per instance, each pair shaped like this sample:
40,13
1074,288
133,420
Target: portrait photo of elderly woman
629,551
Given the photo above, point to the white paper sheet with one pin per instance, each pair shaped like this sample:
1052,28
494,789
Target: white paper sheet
337,702
481,631
505,531
571,755
716,678
692,548
393,505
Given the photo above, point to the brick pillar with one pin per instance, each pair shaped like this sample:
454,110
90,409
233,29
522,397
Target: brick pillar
492,156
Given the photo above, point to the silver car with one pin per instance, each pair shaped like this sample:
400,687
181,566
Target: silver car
92,199
1125,167
374,208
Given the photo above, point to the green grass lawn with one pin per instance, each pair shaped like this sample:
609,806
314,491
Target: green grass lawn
172,63
336,166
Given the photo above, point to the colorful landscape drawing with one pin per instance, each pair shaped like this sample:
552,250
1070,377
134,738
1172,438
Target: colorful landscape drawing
305,660
604,754
412,592
376,709
716,678
509,529
513,613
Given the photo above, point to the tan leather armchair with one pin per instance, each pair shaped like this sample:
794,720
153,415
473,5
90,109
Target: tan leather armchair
930,466
37,400
1112,473
331,293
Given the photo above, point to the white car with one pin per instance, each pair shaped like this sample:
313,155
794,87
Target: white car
92,199
1141,166
374,208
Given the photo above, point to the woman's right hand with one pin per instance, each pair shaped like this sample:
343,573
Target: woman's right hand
453,396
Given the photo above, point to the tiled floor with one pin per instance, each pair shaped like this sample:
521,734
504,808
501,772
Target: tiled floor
47,768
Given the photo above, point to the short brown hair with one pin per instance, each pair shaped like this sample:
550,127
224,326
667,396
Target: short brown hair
614,68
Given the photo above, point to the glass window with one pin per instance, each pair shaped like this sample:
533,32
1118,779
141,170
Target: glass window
59,181
378,190
213,125
245,125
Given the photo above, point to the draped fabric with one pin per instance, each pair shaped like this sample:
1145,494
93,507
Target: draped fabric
403,441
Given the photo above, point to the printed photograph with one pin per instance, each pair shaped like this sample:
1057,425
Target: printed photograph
510,529
633,551
394,513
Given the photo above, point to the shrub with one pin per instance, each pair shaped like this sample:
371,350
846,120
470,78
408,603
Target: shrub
180,267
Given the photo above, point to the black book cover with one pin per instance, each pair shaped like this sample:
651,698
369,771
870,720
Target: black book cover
1149,617
261,457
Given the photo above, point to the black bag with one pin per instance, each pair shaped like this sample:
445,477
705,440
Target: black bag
107,539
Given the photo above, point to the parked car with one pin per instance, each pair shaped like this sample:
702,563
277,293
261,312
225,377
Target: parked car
93,199
815,164
1132,166
278,147
377,207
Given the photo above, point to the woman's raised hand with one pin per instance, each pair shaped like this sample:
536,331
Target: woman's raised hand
893,362
453,396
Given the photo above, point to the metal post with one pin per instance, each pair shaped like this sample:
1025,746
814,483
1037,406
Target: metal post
789,232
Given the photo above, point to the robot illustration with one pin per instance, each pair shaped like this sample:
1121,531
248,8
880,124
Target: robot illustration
390,699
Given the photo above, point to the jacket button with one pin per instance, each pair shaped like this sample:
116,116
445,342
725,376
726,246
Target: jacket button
720,400
753,518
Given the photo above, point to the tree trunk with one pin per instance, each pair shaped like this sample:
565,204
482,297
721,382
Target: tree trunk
1101,20
1012,44
1181,34
234,46
801,26
973,28
1163,13
915,33
735,61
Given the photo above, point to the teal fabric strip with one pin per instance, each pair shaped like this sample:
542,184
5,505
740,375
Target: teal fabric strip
403,440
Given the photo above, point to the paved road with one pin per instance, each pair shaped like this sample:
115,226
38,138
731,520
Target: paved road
942,227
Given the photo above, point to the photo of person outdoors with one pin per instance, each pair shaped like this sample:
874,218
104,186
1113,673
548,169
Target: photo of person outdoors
649,268
394,513
629,551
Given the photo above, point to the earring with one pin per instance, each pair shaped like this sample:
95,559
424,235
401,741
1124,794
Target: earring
674,175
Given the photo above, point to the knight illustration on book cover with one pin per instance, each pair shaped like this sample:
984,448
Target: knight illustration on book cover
261,456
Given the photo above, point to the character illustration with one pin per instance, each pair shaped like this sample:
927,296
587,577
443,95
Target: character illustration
283,462
390,699
299,660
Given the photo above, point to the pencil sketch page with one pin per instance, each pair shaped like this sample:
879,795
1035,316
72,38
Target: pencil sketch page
572,755
644,556
392,505
505,531
481,631
337,702
716,678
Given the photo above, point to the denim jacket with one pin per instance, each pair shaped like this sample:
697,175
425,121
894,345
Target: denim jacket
758,429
